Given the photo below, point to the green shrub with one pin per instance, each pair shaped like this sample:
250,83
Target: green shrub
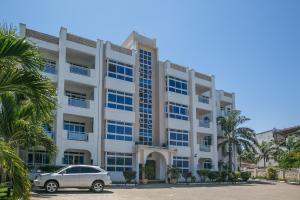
222,176
238,174
213,175
174,172
129,176
245,176
203,173
187,175
232,177
193,179
271,173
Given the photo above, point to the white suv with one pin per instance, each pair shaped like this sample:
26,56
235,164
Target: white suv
74,176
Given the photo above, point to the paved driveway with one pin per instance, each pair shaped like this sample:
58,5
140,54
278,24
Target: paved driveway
278,191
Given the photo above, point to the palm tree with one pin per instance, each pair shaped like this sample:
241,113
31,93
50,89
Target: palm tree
266,150
236,137
27,100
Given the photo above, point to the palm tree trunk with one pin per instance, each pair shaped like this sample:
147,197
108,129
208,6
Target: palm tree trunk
264,162
230,156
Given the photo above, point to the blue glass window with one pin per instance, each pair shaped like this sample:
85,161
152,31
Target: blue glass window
119,100
118,161
176,85
118,130
177,111
120,70
178,137
182,163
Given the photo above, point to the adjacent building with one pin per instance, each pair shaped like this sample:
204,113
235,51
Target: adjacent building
120,107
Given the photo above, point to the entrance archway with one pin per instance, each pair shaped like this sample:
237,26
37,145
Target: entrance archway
155,167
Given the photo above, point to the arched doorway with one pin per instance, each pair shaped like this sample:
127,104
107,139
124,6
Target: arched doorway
155,167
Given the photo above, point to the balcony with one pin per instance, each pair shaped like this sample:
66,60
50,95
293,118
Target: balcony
82,103
223,113
205,148
78,136
82,107
204,123
77,69
203,99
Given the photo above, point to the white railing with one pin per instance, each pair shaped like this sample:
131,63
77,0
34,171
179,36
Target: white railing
204,123
203,99
79,136
77,69
82,103
205,148
223,113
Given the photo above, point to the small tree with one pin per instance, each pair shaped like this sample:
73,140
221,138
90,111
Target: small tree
203,173
174,173
129,176
271,173
186,176
213,175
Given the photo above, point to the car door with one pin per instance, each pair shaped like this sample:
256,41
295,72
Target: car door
87,176
70,177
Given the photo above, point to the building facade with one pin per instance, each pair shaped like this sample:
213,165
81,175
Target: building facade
121,108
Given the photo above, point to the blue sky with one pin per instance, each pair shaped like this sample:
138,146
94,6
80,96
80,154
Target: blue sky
251,46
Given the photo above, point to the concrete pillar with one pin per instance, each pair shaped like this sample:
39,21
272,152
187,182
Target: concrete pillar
60,94
214,124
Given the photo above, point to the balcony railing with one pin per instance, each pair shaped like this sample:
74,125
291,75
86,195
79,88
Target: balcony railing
203,99
204,123
205,148
77,69
49,69
82,103
79,136
224,113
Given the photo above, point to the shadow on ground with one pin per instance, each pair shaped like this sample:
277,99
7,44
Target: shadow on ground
43,194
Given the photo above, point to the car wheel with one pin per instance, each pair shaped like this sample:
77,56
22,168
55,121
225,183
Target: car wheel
51,186
98,186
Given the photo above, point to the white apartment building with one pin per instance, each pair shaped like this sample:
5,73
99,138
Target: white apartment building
120,107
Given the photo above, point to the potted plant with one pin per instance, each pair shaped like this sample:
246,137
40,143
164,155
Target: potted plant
203,173
186,176
174,174
148,173
129,176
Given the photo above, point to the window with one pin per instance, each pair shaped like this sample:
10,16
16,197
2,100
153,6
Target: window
79,69
73,170
118,130
177,111
86,170
74,127
73,158
182,163
178,137
37,158
145,97
120,70
176,85
118,161
50,66
119,100
207,164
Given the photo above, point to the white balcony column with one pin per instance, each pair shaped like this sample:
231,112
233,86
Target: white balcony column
98,94
60,94
214,147
194,123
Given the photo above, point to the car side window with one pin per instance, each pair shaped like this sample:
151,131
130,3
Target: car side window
73,170
86,170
